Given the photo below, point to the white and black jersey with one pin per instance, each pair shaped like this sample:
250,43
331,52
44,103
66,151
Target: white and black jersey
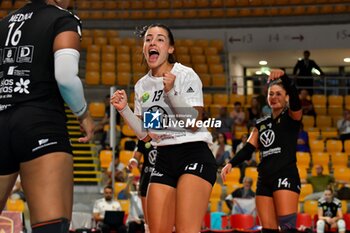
330,209
149,98
26,55
277,144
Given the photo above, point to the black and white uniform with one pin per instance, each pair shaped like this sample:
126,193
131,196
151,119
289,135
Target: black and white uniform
149,160
180,150
277,144
32,117
330,209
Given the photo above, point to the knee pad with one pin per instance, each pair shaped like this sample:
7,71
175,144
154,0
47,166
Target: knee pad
288,222
60,225
320,225
341,225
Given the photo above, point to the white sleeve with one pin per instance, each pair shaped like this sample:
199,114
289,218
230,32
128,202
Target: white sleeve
191,89
137,102
69,84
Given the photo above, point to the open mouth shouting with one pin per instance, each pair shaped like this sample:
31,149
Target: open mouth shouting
153,55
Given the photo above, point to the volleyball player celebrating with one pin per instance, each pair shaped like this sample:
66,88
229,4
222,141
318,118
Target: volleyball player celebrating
39,59
185,168
278,184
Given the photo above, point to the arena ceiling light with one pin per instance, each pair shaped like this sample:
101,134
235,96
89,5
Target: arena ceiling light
347,59
263,63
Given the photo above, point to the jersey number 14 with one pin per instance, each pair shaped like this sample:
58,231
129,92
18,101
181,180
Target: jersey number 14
283,182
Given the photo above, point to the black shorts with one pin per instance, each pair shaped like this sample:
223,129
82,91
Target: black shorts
144,181
28,133
288,179
188,158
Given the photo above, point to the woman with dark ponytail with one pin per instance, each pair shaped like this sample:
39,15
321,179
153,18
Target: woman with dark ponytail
39,58
275,135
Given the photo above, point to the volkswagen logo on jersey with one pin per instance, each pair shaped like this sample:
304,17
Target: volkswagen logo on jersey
155,117
152,155
267,138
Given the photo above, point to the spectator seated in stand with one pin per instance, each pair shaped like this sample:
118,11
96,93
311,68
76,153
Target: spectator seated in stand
303,140
330,213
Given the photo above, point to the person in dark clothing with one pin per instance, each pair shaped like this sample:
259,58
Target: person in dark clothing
303,69
278,185
243,192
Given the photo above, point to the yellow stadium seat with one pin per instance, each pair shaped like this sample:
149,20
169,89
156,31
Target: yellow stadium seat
108,49
339,159
206,79
182,50
106,157
237,98
308,121
303,159
340,8
100,41
97,109
108,57
217,3
18,4
85,42
125,156
124,78
124,67
320,110
125,205
97,5
196,50
92,66
163,4
341,174
302,173
305,190
184,58
211,51
129,41
329,132
123,49
233,176
344,206
150,4
198,59
347,100
108,67
177,4
15,205
319,100
216,68
115,41
335,100
83,4
218,46
252,173
213,59
216,191
218,80
123,58
321,158
203,43
108,78
214,204
214,109
177,14
111,5
323,121
92,77
220,99
334,146
127,131
93,57
347,146
110,33
311,207
94,49
207,98
164,14
200,68
313,133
